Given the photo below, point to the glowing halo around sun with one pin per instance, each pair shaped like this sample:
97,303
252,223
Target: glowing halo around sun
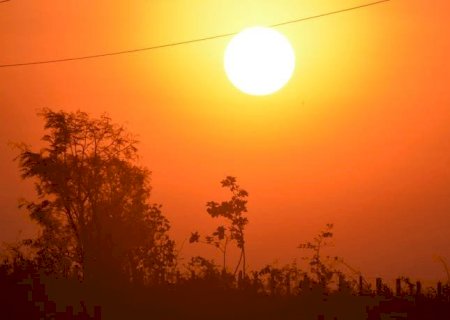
259,61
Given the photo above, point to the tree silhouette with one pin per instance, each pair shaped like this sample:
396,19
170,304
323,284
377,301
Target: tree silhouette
233,210
93,202
219,239
318,266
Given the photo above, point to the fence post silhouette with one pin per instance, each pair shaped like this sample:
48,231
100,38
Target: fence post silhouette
341,282
398,287
439,290
255,281
288,284
411,288
360,285
379,285
418,288
97,313
272,283
69,312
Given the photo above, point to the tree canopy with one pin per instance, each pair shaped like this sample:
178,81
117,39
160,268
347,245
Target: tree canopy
93,201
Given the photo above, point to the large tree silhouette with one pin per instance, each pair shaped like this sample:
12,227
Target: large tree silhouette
93,202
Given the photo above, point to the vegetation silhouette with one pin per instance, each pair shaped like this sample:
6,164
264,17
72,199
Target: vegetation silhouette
103,250
233,211
92,203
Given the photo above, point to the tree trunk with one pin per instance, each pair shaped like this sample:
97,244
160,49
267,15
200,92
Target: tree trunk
244,262
239,263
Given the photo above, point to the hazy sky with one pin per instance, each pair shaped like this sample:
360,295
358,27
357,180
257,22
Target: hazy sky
359,137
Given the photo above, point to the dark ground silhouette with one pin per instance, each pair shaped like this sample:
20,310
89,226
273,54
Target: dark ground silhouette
26,294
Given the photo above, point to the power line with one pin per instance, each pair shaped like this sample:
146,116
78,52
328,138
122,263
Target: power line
173,44
328,13
4,1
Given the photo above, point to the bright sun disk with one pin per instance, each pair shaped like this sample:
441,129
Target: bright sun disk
259,61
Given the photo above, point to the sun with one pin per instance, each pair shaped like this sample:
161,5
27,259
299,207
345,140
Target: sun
259,61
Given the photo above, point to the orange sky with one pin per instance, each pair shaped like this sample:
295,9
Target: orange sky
359,136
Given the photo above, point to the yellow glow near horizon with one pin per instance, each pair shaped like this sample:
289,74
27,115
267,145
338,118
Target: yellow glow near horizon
259,61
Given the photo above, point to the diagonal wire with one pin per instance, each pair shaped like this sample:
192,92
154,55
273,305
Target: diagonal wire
173,44
328,13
